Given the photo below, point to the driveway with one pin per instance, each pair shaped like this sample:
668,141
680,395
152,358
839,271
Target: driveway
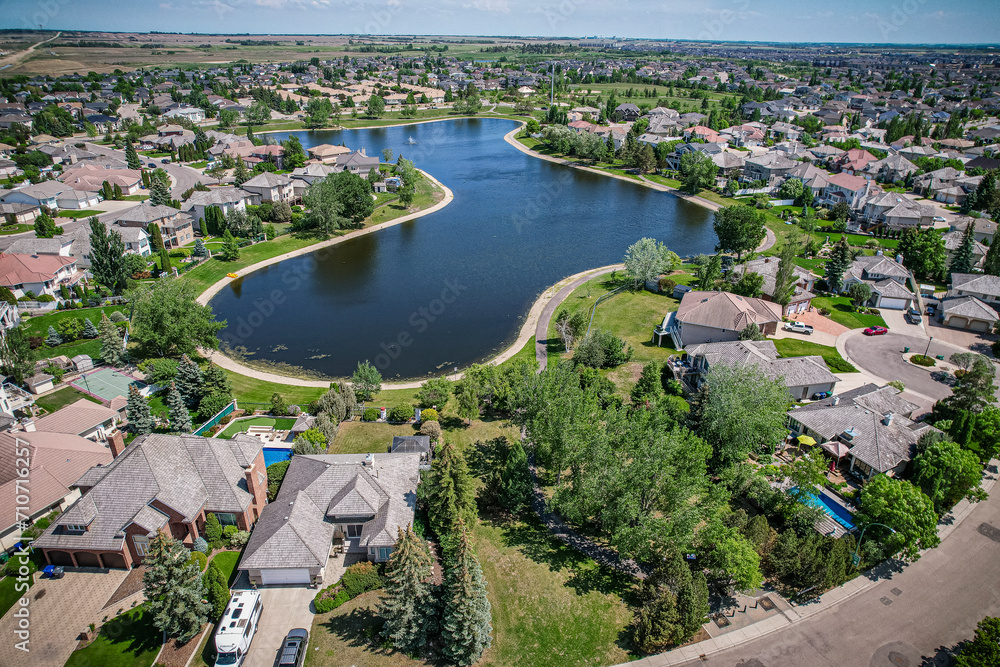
896,321
59,610
285,607
976,342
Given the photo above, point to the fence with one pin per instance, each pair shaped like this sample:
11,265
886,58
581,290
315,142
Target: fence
783,202
228,410
754,191
41,306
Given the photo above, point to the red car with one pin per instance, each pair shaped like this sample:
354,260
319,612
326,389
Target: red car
875,331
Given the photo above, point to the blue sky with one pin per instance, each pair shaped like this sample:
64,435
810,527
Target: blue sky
894,21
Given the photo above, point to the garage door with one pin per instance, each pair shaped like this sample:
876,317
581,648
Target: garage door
958,322
893,304
979,325
285,575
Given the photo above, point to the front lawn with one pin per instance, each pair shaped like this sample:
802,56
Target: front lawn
842,312
244,424
551,606
65,396
226,561
9,594
79,214
793,347
130,640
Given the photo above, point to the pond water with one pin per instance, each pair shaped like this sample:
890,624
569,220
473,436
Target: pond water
451,288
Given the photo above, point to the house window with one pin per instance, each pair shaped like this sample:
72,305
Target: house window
141,543
226,518
75,528
384,552
354,530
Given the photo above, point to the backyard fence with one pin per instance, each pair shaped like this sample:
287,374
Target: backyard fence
783,202
228,410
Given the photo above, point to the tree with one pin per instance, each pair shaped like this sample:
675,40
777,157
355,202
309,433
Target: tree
646,259
89,330
991,263
507,483
132,157
218,172
173,589
730,557
355,196
806,473
570,327
258,114
740,229
137,410
673,604
466,619
112,347
840,211
742,411
984,649
230,248
52,338
963,259
924,252
975,389
840,259
645,159
107,256
946,473
167,319
325,208
180,418
435,392
751,332
159,193
15,355
295,155
188,381
790,189
905,509
786,279
410,176
859,293
648,386
709,271
312,441
375,107
240,173
216,589
698,171
750,285
367,381
45,227
199,249
407,607
449,491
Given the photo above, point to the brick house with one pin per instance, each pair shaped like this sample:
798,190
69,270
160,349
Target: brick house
167,483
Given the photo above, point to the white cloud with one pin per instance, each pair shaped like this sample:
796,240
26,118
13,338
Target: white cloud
489,6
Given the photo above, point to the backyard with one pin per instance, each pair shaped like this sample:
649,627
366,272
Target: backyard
279,424
65,396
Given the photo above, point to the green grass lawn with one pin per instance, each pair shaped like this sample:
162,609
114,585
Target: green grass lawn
426,195
9,593
131,640
91,347
226,561
39,324
358,437
842,312
15,229
136,197
79,214
244,424
214,270
64,396
551,606
793,347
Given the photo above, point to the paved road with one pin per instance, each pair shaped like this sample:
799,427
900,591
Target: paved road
542,328
185,178
900,621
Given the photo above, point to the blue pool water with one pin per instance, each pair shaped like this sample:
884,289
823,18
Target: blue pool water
276,454
822,501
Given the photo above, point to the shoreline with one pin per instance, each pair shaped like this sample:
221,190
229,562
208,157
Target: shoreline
341,128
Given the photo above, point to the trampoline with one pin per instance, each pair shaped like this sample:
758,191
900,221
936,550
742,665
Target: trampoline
107,383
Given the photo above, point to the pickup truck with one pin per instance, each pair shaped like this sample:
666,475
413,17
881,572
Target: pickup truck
798,327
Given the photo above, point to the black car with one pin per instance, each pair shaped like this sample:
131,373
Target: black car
293,649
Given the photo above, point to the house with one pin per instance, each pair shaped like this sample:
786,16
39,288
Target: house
872,422
953,241
227,198
983,286
175,228
55,462
193,114
327,152
811,177
767,267
804,376
767,167
967,312
895,211
628,112
853,160
38,274
16,212
57,245
271,187
268,153
83,418
985,229
45,193
888,280
890,169
844,187
159,483
356,162
77,200
359,501
708,317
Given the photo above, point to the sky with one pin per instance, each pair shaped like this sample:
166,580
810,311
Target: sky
864,21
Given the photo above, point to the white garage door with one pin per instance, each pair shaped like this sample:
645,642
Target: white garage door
893,304
285,575
979,325
958,322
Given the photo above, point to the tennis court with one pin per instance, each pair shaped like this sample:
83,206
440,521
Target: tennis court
107,383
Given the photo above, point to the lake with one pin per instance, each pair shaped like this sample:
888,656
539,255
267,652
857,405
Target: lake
451,288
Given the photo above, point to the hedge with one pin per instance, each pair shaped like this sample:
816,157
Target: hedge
358,578
371,414
200,558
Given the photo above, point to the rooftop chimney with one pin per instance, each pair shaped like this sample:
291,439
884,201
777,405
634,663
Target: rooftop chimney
836,400
887,418
28,425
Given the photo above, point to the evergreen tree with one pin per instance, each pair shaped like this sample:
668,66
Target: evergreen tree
159,194
449,491
155,237
89,330
230,248
173,589
112,349
107,256
53,338
991,265
216,590
963,260
117,193
199,246
214,380
466,620
164,260
132,157
408,608
840,259
648,386
137,411
188,381
241,174
180,419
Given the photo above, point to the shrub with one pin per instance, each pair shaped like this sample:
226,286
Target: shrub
361,578
213,529
429,415
401,413
275,474
229,531
239,538
371,414
45,298
921,360
200,558
840,366
200,545
667,285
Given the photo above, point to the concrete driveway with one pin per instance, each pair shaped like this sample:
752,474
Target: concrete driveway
59,610
896,321
285,607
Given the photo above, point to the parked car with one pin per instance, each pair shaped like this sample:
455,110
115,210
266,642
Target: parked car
165,160
798,327
913,315
931,309
293,649
938,218
151,165
875,331
820,395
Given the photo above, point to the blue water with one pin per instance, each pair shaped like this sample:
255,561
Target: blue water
836,512
276,454
453,287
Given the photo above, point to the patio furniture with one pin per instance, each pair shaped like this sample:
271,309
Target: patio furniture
53,571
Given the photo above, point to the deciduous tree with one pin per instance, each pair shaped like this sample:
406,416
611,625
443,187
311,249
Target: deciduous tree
646,259
905,509
740,229
167,320
367,381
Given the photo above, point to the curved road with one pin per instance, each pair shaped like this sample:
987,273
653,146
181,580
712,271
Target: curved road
15,57
542,328
185,178
903,620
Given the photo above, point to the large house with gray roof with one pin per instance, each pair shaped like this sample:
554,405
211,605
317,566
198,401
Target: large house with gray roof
889,280
873,424
983,286
167,483
710,317
356,503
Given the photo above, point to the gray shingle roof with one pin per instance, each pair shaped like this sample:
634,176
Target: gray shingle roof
980,283
969,306
795,371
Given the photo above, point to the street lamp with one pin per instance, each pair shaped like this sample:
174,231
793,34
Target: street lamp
855,559
926,352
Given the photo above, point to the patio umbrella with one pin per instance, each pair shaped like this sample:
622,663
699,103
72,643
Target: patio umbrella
837,448
806,440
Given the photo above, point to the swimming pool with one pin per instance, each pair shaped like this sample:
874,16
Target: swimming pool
836,511
276,454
